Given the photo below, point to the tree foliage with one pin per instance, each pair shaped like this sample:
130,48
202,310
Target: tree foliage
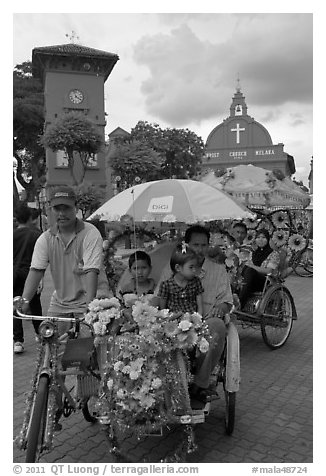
89,198
181,150
28,123
151,152
76,135
136,159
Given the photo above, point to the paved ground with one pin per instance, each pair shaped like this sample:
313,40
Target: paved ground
273,411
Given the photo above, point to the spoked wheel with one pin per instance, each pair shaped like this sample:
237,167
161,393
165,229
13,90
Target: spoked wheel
89,409
37,428
230,398
277,309
304,267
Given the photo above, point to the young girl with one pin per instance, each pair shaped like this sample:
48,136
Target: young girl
140,267
183,291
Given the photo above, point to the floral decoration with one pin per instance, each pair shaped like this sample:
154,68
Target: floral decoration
270,179
250,238
251,223
101,314
144,386
296,242
280,219
279,238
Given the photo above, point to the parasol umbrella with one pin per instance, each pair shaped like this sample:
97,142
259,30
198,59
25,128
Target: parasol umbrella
172,200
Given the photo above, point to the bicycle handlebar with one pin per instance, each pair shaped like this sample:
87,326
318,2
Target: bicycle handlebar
29,317
18,300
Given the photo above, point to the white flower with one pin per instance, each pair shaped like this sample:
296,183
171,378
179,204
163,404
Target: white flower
126,369
94,305
118,366
98,328
110,384
134,374
156,383
121,393
185,325
203,345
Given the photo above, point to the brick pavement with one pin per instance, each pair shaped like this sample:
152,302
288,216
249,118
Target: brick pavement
273,409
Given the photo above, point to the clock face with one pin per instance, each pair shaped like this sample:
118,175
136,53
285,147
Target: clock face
76,96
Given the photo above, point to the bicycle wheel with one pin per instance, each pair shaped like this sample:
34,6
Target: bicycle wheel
277,311
304,264
307,259
230,398
37,426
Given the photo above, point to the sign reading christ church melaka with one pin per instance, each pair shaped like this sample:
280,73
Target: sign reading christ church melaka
240,153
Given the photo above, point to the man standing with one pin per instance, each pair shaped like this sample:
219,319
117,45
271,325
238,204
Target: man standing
24,239
217,301
72,248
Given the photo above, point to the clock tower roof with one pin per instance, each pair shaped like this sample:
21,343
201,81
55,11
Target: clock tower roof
41,55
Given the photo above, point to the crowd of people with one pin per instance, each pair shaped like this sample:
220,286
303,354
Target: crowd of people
191,281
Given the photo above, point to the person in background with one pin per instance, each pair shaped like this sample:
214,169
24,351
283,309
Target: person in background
263,261
217,301
239,233
182,292
24,239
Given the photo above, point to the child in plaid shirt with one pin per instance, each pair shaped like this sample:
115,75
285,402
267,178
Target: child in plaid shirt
183,291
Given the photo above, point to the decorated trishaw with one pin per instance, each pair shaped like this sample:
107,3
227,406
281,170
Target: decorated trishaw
281,207
133,370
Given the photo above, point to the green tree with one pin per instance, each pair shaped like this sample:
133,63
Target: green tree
28,123
77,136
136,159
181,150
89,198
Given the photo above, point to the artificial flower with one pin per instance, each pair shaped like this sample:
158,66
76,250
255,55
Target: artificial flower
250,238
185,325
279,238
296,242
280,219
250,223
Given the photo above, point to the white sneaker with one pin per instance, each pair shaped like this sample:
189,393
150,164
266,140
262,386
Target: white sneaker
18,348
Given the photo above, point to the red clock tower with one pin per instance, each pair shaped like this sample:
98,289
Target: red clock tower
73,79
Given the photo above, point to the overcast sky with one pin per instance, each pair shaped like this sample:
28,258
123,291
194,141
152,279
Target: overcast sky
180,69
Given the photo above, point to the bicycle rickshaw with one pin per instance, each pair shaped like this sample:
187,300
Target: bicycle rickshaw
272,311
79,381
161,201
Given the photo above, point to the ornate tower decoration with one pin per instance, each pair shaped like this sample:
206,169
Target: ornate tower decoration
239,139
73,78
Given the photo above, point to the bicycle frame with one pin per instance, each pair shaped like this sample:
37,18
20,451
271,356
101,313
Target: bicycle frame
49,394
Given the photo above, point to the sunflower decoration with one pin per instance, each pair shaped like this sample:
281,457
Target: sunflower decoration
279,238
280,219
296,242
251,223
250,238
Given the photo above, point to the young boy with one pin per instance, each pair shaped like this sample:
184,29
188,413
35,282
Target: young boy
140,267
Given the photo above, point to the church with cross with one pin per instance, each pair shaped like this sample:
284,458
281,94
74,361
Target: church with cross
240,140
